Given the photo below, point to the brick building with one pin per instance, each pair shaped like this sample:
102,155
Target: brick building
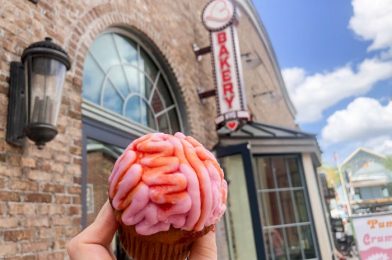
133,72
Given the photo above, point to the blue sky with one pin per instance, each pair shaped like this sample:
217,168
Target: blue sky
336,59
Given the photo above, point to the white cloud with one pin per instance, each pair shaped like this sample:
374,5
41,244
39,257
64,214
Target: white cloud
293,78
381,144
372,20
312,94
365,122
362,121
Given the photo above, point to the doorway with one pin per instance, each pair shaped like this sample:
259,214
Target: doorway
102,145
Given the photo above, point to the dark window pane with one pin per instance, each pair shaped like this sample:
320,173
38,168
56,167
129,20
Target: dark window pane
150,119
368,193
267,245
287,207
265,177
280,170
308,245
270,209
278,244
164,91
301,206
156,103
294,243
175,124
294,172
163,124
148,85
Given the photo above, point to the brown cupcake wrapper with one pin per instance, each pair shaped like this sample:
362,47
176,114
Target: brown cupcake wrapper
174,244
140,249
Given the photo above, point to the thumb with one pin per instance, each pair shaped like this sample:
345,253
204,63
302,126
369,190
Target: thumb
102,230
204,248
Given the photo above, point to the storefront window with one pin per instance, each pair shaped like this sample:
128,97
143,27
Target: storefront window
121,77
287,226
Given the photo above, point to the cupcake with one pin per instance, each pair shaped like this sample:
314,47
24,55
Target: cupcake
166,192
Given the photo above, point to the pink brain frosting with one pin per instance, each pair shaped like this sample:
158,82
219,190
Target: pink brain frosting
162,180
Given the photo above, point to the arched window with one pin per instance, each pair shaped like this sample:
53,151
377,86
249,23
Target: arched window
121,79
126,93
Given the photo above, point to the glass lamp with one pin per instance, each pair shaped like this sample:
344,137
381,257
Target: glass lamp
44,64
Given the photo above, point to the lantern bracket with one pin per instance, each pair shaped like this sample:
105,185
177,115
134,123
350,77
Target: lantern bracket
16,106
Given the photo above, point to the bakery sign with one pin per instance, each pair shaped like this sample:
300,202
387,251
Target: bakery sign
219,17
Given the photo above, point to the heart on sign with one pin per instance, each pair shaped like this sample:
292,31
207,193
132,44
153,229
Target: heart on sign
219,12
232,125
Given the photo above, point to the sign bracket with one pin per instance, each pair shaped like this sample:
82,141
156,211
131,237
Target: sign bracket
206,94
199,52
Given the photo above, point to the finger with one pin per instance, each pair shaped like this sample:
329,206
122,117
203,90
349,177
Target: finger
204,248
102,230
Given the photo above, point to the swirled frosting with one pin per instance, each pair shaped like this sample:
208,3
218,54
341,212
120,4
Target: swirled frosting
163,180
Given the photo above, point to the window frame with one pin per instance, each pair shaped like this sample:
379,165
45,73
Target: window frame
311,223
107,116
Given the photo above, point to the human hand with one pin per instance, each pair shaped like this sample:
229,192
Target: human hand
94,241
204,248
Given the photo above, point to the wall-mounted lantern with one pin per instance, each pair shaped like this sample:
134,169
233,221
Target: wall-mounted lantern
36,87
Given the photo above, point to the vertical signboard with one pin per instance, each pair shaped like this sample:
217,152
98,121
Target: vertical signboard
219,17
374,236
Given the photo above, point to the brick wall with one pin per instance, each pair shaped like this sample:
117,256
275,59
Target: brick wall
40,190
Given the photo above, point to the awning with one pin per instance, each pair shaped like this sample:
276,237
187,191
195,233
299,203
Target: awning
270,139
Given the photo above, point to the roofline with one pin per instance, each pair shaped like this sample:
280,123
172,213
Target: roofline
350,157
285,129
280,128
249,8
297,138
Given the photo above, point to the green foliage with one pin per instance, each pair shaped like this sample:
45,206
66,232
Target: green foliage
332,174
388,162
